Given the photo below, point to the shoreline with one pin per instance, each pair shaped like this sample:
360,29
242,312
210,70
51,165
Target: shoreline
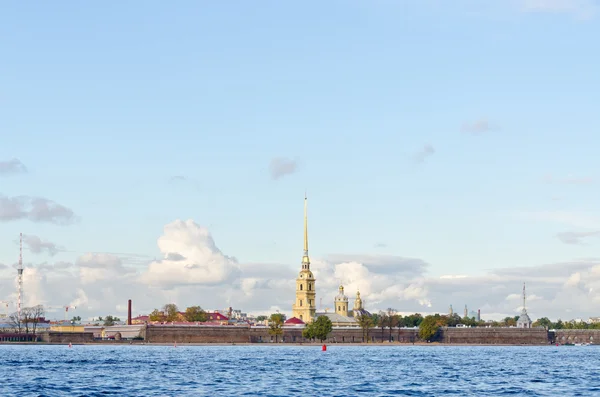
184,344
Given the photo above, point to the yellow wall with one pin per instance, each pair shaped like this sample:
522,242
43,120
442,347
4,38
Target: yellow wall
67,328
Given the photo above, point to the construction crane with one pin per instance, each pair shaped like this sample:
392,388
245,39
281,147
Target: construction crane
65,308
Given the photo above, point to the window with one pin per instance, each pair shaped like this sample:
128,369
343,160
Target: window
339,308
300,302
309,286
301,317
300,287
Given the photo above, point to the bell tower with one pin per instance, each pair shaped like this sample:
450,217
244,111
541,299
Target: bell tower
341,303
304,308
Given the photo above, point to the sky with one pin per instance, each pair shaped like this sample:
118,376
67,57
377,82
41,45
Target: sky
161,154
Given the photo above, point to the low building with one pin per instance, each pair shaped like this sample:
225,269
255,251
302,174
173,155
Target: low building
216,316
337,320
67,328
123,332
140,320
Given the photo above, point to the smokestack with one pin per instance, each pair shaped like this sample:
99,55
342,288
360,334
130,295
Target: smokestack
129,312
478,314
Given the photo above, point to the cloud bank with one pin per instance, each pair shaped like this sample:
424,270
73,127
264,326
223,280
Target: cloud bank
194,271
10,167
35,209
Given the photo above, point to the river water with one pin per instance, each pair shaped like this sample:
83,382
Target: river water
92,370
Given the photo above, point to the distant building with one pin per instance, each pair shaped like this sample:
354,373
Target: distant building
216,316
358,309
294,322
341,303
594,320
524,321
140,320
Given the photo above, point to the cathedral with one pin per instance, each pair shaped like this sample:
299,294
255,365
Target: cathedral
304,308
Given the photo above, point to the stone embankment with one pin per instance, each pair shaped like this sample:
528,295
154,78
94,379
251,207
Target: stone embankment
494,336
233,334
66,337
563,336
484,336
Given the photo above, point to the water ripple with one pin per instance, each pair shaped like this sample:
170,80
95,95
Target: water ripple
289,371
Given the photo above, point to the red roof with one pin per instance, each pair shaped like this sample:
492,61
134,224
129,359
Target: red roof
216,316
294,321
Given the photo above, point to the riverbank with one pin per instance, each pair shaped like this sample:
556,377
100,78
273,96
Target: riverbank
319,345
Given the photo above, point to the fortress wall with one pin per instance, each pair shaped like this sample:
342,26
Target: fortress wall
195,334
490,336
67,337
562,336
230,334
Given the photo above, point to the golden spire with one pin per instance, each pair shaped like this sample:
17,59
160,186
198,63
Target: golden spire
305,260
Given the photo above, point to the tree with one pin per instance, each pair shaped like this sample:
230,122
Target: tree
155,316
76,319
275,325
543,322
392,320
413,320
110,320
37,312
195,314
15,322
261,318
429,328
365,322
26,318
171,312
318,329
381,321
559,324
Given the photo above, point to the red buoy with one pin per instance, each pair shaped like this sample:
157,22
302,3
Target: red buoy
324,348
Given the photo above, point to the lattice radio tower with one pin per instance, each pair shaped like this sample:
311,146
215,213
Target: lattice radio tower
20,276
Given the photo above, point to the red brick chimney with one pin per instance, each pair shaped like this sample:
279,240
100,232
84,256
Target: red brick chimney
129,312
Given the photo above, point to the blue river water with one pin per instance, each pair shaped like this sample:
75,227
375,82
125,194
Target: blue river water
130,370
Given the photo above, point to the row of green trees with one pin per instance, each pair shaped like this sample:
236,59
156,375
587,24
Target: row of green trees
317,330
546,323
170,312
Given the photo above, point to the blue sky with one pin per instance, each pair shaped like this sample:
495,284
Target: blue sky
105,104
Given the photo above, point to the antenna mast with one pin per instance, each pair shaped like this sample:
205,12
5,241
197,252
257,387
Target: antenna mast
20,277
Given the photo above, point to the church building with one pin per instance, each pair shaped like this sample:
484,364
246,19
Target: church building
304,307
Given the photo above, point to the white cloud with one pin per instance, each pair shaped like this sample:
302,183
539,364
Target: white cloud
578,8
576,238
13,166
198,260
